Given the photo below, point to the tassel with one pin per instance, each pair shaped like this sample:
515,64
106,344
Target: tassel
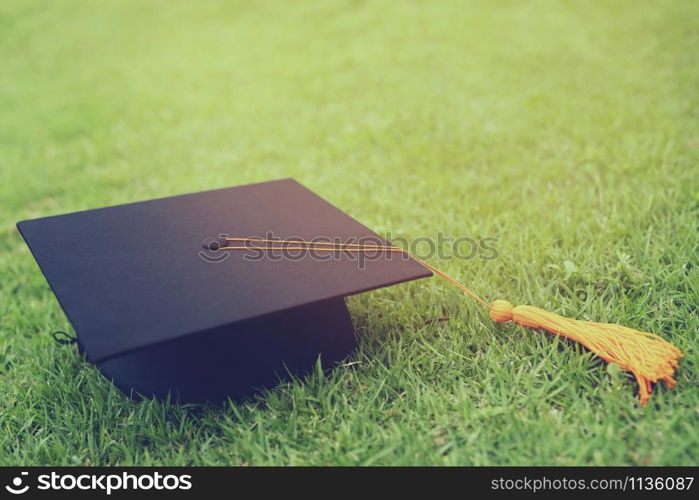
648,357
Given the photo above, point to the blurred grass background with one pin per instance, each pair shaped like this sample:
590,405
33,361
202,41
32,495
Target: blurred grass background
567,130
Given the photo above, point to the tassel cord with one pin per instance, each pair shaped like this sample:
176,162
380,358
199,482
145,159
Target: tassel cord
647,356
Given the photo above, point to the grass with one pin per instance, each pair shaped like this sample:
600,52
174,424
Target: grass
566,130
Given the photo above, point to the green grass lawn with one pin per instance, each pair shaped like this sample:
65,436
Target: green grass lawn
567,130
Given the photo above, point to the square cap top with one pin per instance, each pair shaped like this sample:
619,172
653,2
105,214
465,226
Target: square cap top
134,275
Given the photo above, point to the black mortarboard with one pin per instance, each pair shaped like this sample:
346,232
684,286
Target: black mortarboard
157,313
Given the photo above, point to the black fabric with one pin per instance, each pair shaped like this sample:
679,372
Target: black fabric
237,360
130,276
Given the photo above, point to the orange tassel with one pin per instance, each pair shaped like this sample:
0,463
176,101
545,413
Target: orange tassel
649,357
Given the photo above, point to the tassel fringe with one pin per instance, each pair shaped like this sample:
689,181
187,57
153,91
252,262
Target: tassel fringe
647,356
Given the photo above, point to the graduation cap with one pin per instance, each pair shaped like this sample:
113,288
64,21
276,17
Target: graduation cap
262,299
157,308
